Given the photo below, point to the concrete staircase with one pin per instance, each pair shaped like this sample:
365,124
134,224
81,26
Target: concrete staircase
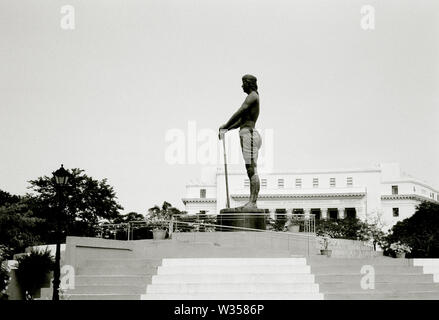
113,279
233,278
429,266
236,266
341,278
343,248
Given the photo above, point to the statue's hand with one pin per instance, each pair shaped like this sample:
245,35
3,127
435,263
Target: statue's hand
222,131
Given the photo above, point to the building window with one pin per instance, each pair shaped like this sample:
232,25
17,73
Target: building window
298,183
316,213
414,189
246,183
332,182
394,189
281,215
315,182
333,214
263,183
349,181
202,193
351,213
280,183
395,212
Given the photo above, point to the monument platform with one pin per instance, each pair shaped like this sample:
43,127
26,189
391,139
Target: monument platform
252,218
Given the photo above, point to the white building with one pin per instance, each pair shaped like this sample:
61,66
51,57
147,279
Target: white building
365,193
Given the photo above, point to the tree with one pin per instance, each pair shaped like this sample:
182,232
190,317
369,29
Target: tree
375,228
165,212
132,216
420,231
19,227
85,199
6,198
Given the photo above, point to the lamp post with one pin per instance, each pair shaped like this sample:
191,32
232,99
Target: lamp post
61,177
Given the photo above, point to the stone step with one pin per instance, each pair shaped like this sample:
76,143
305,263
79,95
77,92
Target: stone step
124,262
392,278
233,296
226,269
233,278
344,287
213,252
353,269
109,289
355,254
103,297
431,269
234,262
421,295
426,262
234,288
90,280
117,270
332,261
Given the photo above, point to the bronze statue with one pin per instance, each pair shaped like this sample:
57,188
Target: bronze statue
245,118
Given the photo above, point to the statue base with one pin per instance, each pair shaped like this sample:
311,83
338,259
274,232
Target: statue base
252,218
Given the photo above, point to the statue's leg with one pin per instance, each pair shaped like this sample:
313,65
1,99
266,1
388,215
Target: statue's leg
250,144
254,186
252,168
255,183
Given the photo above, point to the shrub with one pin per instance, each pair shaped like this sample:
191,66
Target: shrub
4,273
419,232
275,224
32,271
349,228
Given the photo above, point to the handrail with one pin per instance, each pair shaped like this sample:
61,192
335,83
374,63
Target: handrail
309,225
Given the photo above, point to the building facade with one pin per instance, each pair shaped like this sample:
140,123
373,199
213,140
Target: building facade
382,192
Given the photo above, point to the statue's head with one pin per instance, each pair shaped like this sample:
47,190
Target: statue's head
249,83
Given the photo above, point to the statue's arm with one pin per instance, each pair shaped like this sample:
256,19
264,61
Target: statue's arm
223,129
237,124
237,115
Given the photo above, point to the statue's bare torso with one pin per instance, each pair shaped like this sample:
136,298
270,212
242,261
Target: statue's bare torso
251,114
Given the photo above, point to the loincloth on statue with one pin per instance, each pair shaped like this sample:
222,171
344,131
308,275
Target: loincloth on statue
251,142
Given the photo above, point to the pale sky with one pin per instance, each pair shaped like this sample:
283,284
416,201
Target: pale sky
103,96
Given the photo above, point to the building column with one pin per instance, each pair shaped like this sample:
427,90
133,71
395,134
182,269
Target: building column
307,212
341,213
324,212
360,213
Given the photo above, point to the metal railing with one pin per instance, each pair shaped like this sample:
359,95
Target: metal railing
290,232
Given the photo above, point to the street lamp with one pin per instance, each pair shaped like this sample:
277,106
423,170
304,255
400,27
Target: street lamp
61,177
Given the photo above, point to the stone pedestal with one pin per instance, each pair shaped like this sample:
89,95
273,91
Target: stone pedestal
243,218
